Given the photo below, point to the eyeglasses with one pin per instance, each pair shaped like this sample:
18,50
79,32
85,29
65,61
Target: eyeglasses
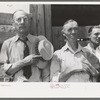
22,19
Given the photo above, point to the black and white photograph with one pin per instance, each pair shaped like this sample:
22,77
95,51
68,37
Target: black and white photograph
52,45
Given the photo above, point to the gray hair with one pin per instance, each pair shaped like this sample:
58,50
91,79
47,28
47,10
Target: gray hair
68,21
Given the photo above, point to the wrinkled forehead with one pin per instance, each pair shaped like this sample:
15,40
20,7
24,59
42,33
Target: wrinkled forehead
72,24
20,14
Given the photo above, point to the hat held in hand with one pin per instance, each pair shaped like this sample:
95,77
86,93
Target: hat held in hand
45,49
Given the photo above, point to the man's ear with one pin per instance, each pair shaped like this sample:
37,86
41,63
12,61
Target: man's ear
63,33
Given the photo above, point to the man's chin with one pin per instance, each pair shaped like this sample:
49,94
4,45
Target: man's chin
23,34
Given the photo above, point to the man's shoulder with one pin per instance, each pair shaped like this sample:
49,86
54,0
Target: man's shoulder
85,49
10,39
58,53
91,57
88,47
61,50
88,53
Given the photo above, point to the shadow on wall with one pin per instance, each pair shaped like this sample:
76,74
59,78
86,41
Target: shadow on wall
83,35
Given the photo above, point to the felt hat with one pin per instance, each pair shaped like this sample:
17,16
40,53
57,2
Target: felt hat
45,49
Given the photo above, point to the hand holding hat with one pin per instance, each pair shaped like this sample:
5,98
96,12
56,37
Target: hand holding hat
45,49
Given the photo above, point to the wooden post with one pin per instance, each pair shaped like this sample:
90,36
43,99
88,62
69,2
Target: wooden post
58,38
33,11
41,20
56,42
37,26
40,16
48,28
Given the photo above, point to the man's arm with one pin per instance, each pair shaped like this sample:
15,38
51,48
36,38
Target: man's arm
11,68
4,58
55,68
20,64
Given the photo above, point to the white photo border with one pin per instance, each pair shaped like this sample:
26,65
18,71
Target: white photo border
50,90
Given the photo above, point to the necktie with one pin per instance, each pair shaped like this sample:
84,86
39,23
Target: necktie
26,69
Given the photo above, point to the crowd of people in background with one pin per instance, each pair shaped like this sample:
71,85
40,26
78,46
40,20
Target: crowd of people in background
29,58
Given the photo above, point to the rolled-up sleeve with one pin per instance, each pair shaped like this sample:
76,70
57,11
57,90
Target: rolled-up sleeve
55,68
4,59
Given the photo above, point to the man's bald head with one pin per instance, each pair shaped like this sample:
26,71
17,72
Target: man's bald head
21,22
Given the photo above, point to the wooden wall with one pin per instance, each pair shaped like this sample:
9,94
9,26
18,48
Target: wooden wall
6,29
41,20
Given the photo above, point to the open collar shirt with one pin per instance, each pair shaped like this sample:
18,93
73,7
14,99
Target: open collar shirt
13,51
67,59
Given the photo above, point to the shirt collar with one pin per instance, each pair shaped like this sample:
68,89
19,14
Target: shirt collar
28,37
80,48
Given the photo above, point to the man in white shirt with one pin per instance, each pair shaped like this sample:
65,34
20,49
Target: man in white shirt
18,54
93,45
72,63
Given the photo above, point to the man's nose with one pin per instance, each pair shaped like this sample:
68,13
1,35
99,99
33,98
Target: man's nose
22,20
73,31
